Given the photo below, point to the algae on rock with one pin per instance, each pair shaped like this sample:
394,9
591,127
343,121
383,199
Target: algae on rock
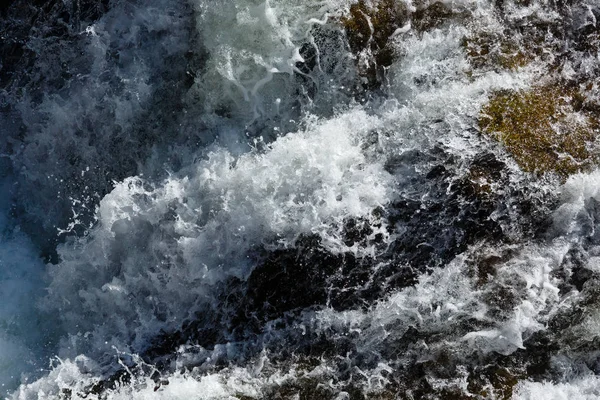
544,128
494,51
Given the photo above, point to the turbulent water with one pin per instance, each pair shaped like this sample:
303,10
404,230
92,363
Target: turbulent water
247,199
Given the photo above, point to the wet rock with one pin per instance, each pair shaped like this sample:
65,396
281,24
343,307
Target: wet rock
495,381
369,26
307,275
493,51
292,278
542,129
431,15
372,25
456,213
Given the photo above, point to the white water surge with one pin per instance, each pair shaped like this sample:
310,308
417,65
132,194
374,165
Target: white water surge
180,177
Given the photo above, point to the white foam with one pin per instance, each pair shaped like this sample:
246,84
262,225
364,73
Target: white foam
254,47
444,300
583,388
576,215
158,249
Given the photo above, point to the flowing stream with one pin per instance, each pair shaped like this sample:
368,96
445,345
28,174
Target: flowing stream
299,199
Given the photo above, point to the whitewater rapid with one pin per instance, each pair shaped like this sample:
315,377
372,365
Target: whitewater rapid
225,199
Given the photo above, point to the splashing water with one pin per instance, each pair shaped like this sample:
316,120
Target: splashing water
319,199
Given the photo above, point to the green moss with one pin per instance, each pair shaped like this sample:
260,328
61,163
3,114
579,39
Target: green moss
542,129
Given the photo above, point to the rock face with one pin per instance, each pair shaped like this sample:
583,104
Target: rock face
372,26
369,27
544,128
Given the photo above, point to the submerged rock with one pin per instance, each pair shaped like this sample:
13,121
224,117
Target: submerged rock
489,50
369,27
372,27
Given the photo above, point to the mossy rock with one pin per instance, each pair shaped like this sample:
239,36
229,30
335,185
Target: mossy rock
543,128
373,21
496,52
369,25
